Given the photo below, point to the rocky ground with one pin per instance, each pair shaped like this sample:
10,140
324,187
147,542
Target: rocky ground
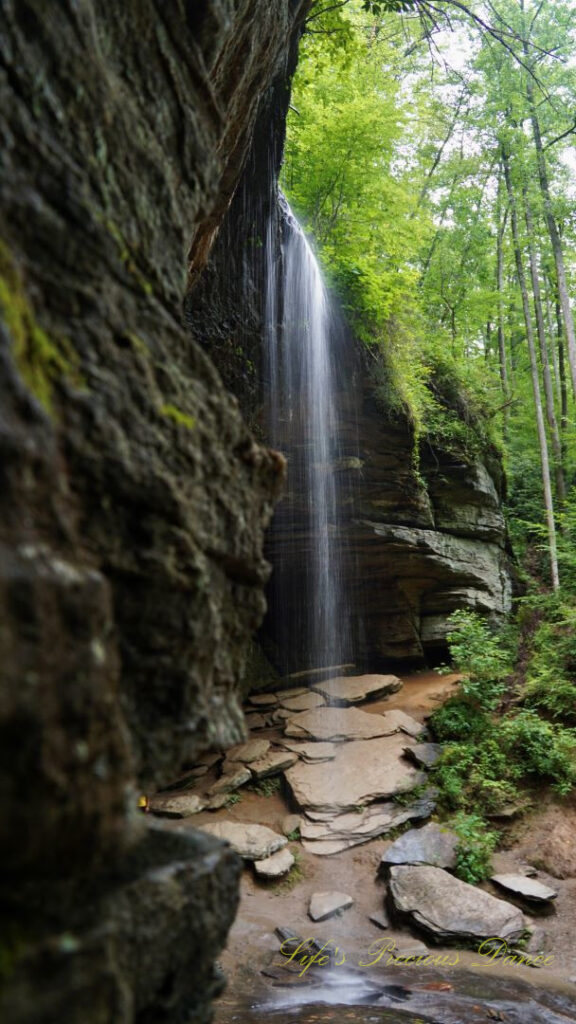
313,802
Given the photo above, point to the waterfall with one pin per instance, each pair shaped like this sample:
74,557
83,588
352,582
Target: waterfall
304,333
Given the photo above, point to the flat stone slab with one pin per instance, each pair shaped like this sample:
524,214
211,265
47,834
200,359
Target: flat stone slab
231,781
325,904
344,691
405,723
263,700
275,761
341,831
526,888
432,844
275,866
182,805
312,751
253,842
450,909
424,754
361,773
338,724
253,750
256,721
303,702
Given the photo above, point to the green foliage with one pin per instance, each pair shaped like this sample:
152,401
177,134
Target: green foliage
232,799
460,718
267,787
478,653
475,848
551,668
539,748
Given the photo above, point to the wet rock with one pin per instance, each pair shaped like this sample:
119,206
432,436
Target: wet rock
252,842
433,844
449,909
361,773
276,865
181,806
345,691
275,762
326,904
337,724
333,833
231,781
424,754
253,750
525,888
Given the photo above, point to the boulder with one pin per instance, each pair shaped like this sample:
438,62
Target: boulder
253,750
433,844
231,781
181,806
525,888
449,909
276,865
252,842
361,773
275,761
325,904
291,823
424,755
348,690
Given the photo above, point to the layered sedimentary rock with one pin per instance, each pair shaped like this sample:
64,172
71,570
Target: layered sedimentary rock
420,528
134,498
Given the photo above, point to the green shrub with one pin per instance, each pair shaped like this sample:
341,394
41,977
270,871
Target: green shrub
540,748
478,653
459,719
475,848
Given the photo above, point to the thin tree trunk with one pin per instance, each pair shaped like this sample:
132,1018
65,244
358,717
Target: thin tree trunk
546,375
554,234
542,440
562,371
501,227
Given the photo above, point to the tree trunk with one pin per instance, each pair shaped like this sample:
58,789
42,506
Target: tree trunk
542,439
554,234
546,375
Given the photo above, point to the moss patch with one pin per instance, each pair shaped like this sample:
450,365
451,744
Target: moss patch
175,414
41,359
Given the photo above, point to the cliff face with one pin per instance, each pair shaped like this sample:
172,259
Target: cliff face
134,498
422,533
426,542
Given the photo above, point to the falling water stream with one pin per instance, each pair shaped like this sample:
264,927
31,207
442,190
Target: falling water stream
304,421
